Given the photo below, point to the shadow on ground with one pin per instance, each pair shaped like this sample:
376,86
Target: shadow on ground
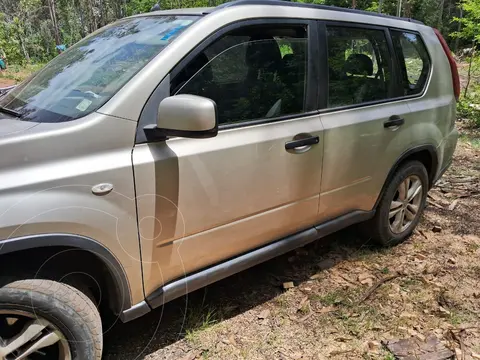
230,297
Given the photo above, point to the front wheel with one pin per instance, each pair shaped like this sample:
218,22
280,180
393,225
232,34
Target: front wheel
401,206
43,319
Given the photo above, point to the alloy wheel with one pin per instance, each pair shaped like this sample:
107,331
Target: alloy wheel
405,205
26,336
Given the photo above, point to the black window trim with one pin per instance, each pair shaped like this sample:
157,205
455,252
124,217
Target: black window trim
430,68
313,72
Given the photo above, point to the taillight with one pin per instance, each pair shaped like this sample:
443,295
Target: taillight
453,64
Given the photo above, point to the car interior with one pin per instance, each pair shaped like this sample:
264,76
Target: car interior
357,71
253,73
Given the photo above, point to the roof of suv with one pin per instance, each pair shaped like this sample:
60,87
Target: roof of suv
208,10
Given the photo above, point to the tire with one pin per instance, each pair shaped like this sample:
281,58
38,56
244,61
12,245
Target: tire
66,309
380,227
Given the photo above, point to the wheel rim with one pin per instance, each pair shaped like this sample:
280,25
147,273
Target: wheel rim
405,205
26,336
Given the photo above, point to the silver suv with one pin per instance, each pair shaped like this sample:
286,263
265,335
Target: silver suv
172,149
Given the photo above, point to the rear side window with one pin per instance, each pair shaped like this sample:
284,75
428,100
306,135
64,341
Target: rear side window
414,61
359,66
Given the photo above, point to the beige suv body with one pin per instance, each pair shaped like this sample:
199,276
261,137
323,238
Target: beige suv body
152,216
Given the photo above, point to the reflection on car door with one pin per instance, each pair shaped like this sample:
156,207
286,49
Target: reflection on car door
201,201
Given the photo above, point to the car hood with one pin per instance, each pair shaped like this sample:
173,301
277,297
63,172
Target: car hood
11,126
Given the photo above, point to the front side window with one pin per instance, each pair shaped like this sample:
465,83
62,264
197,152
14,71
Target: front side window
252,73
88,74
359,66
414,61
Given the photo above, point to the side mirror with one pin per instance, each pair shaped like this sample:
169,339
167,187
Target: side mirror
185,115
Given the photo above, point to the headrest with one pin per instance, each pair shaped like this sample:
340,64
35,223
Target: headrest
359,64
263,53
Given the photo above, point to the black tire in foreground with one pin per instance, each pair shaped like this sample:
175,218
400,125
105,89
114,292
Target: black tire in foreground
54,319
401,205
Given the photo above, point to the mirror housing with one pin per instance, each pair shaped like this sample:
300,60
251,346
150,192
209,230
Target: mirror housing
185,115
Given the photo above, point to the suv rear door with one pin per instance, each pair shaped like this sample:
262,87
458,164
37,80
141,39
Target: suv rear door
362,122
202,201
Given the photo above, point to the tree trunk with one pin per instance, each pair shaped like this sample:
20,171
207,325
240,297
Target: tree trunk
408,9
399,8
354,4
472,55
24,49
53,17
380,6
459,28
440,15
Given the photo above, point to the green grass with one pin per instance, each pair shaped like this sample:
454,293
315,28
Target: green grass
197,320
472,140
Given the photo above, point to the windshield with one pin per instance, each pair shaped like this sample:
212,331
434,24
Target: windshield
88,74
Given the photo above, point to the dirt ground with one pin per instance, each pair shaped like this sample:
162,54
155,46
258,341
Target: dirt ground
433,288
4,82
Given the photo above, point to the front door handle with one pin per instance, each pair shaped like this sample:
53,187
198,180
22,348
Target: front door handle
394,121
294,144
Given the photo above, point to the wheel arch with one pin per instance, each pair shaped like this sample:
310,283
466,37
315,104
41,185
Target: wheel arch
426,154
120,297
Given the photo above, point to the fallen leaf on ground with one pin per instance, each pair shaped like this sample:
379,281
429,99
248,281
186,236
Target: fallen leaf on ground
408,315
192,355
264,314
475,355
366,278
327,309
288,285
303,302
343,339
232,341
453,205
340,352
421,256
435,204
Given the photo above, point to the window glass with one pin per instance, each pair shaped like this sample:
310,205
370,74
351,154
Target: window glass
250,74
359,66
414,61
89,73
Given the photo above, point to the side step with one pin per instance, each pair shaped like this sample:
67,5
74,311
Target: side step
220,271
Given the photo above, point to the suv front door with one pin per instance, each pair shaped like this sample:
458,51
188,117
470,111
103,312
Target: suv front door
202,201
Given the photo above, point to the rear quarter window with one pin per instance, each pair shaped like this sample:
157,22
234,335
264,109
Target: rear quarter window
413,59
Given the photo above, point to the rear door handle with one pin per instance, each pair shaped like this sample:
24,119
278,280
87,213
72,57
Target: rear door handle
290,145
394,121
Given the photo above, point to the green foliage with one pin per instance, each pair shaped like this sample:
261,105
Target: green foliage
468,109
30,29
470,20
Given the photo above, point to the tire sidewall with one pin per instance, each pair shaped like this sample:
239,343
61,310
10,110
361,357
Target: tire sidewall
386,236
56,312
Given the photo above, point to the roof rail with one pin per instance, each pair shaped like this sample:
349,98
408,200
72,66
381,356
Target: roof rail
312,6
